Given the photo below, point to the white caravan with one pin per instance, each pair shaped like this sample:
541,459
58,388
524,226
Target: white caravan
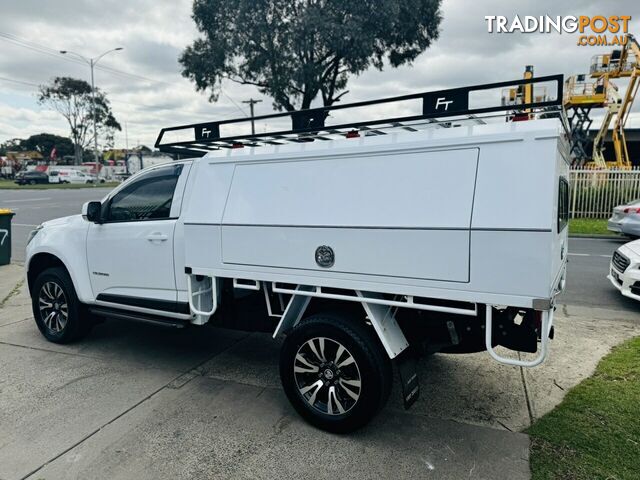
361,244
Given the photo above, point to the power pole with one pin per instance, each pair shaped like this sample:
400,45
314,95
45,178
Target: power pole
251,103
95,121
126,149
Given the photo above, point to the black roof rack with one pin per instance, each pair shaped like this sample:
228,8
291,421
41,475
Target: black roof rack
313,124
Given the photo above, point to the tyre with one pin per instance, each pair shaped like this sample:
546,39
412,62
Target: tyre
335,372
32,182
60,316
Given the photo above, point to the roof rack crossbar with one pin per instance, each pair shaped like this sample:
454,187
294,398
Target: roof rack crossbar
307,125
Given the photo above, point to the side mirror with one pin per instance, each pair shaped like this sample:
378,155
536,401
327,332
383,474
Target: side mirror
91,211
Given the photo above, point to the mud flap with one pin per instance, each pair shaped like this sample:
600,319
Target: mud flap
407,367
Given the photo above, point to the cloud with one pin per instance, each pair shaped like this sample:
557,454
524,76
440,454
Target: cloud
153,33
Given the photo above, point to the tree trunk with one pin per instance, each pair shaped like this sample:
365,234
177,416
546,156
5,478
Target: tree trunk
77,153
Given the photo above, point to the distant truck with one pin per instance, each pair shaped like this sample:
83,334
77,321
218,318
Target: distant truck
362,243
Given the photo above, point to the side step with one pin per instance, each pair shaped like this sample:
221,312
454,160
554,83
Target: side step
138,317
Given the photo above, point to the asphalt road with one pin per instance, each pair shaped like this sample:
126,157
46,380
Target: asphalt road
587,284
33,207
588,258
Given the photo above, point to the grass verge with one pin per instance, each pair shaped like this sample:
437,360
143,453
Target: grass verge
595,432
589,226
10,185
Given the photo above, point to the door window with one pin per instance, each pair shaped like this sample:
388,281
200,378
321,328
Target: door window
148,197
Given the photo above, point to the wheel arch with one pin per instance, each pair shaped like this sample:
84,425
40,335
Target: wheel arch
387,330
39,263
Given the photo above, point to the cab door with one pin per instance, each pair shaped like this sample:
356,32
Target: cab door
130,253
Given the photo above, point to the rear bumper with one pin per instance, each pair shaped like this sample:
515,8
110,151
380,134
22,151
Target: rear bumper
629,225
614,226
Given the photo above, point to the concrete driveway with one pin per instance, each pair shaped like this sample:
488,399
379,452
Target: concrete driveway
135,401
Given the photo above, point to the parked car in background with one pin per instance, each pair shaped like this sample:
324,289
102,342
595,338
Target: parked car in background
626,219
624,273
31,178
70,175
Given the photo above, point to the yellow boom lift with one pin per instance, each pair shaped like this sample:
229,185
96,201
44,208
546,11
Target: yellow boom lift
623,63
581,96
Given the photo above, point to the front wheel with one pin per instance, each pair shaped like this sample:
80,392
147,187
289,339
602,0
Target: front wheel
59,315
335,372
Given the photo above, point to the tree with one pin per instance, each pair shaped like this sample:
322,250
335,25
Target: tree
10,146
72,99
295,50
45,142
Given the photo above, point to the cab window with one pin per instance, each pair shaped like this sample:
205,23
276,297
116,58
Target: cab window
148,197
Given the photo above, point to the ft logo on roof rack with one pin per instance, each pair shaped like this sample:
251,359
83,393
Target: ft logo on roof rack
207,131
445,101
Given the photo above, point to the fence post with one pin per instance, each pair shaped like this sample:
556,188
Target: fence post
573,177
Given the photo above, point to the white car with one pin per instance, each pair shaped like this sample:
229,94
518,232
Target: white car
624,272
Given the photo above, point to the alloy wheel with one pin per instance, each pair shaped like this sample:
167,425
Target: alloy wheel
53,306
327,376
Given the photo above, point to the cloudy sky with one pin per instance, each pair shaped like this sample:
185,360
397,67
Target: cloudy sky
147,91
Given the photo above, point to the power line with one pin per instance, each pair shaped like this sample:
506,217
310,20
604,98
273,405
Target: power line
19,82
43,49
121,102
36,49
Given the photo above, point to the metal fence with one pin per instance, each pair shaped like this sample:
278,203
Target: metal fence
594,193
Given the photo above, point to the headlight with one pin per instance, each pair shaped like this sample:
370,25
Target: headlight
33,233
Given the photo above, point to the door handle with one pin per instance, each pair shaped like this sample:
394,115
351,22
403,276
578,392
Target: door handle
157,237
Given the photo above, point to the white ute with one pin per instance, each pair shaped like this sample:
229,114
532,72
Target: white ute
360,243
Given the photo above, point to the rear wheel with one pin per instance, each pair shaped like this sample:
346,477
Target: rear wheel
59,315
335,372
